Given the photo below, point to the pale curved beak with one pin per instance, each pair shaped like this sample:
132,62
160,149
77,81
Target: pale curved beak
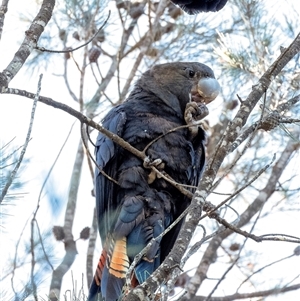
208,89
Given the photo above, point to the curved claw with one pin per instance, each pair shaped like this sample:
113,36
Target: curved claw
158,163
148,162
195,112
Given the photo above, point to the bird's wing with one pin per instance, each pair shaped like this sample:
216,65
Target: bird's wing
108,155
126,222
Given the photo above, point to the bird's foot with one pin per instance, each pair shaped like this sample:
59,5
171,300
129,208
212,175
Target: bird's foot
158,163
193,114
148,162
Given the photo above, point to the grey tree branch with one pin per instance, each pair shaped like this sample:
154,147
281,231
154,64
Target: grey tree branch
265,193
70,244
32,35
245,134
91,248
247,106
3,11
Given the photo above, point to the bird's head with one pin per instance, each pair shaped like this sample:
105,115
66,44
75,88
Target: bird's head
178,83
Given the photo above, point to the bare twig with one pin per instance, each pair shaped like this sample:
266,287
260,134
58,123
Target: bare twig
251,137
257,294
84,132
42,245
16,168
262,268
235,261
65,76
90,157
74,49
33,284
91,249
16,257
242,188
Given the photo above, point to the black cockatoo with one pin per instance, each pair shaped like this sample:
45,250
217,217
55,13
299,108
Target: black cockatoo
193,7
138,205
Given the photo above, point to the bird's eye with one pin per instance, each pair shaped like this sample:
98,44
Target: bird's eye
191,73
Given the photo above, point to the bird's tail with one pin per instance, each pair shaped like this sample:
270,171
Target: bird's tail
111,271
95,288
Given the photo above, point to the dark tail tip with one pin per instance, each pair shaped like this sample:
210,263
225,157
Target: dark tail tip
94,292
